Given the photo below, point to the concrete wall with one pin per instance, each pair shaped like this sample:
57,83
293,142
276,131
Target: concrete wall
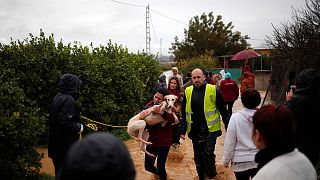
261,79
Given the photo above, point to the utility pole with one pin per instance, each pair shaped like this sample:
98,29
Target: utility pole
148,39
160,47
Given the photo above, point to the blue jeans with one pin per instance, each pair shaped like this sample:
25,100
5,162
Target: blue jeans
204,157
161,154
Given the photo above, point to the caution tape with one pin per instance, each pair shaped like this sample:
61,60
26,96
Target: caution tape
92,126
95,126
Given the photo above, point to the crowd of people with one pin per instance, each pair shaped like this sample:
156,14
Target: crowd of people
270,142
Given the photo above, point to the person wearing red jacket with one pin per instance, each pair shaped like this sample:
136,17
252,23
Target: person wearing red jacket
230,91
160,137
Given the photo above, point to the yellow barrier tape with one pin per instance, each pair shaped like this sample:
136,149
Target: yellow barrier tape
102,123
92,126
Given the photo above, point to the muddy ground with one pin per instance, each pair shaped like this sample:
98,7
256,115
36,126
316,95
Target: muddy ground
180,164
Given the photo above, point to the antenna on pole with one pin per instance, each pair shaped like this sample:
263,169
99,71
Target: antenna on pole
148,39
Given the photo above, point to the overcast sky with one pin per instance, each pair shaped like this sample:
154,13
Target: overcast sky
124,21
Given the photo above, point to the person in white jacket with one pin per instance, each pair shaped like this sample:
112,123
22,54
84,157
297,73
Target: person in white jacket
239,148
274,134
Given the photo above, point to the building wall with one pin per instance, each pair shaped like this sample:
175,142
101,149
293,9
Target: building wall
262,80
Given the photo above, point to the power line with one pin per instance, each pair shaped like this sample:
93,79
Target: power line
254,39
128,4
155,35
151,10
169,17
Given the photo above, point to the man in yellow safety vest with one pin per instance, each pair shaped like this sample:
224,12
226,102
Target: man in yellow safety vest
201,109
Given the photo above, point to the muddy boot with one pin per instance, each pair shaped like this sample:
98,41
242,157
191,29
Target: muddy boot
163,177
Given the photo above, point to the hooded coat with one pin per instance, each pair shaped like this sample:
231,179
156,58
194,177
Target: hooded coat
161,82
64,120
305,105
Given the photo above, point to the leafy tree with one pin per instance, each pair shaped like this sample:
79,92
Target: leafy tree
207,33
205,62
296,45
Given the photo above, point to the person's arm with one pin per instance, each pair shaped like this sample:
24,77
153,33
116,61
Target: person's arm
236,89
147,110
229,143
183,122
223,111
169,117
67,117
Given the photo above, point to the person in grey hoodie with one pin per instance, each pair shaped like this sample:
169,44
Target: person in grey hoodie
64,120
239,148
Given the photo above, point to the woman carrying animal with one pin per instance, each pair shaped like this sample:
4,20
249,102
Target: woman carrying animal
175,89
160,137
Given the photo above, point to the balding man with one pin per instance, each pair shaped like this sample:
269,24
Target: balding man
201,109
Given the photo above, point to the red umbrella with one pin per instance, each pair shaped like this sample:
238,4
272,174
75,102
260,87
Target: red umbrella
245,54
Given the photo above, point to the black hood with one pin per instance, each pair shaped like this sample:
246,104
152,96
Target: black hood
162,78
308,81
98,156
69,84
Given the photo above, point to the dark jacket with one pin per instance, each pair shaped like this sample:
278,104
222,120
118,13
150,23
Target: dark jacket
64,126
158,135
161,82
199,128
305,106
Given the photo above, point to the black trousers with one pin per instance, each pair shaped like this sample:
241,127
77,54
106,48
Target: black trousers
245,175
229,105
204,158
161,154
176,133
57,163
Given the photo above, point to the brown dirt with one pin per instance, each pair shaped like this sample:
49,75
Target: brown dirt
180,163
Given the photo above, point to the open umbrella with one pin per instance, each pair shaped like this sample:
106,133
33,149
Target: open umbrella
245,54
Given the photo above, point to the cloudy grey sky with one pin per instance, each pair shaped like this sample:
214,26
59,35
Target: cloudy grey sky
124,23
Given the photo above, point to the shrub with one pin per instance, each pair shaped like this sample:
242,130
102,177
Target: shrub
20,127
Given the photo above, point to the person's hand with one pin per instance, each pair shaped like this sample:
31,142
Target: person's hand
175,109
289,95
183,136
144,114
156,109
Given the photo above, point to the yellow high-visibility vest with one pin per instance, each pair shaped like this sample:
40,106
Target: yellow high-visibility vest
211,112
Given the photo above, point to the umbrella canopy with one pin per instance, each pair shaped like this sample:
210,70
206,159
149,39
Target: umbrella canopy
245,54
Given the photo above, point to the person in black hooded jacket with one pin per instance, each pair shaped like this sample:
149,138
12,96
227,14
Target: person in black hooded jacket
305,103
64,120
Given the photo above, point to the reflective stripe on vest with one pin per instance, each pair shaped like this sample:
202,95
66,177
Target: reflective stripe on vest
211,112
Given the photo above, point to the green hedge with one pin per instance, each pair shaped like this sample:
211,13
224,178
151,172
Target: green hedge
116,85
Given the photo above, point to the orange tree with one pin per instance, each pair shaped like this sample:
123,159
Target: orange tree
116,85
